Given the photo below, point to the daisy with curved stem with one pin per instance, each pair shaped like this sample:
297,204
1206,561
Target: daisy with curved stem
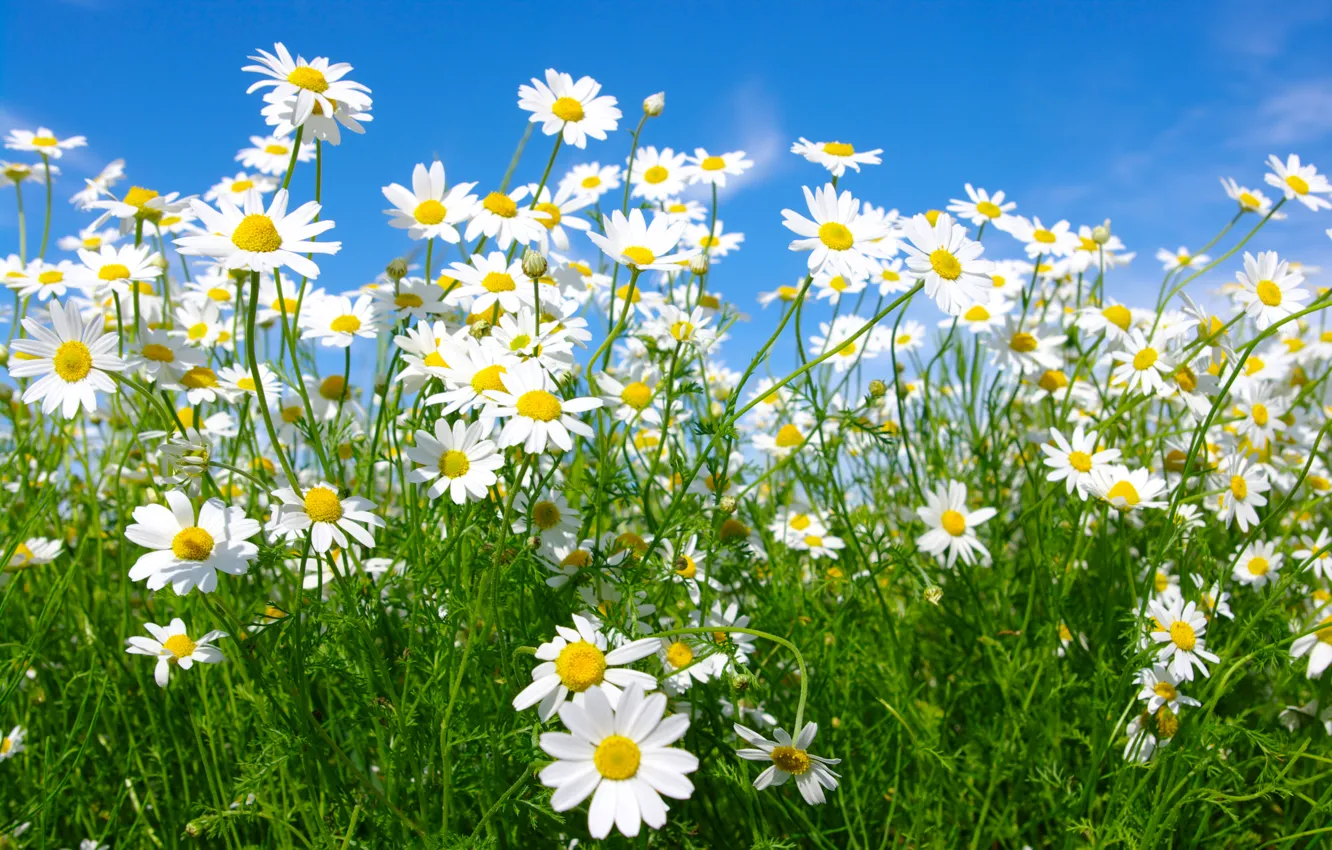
951,525
947,262
337,321
506,218
430,209
1244,485
1318,646
657,175
1127,490
456,459
1269,289
632,400
1074,460
240,187
172,646
537,417
70,360
572,110
839,237
328,518
1258,564
631,241
703,167
1143,366
837,157
307,84
1180,629
1299,182
117,269
260,240
1161,687
982,208
790,758
1249,200
577,662
1261,413
43,142
187,551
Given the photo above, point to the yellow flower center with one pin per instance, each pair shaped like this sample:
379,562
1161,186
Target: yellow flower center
51,276
454,464
277,150
580,665
1144,359
309,78
636,395
567,109
137,196
1023,342
1053,380
345,324
1118,315
1269,293
322,505
679,654
977,313
290,414
953,523
1181,633
246,383
498,282
113,271
545,515
682,331
639,256
488,379
1248,201
712,163
1298,183
793,761
836,236
158,353
813,541
788,436
1125,492
199,377
1045,237
539,405
192,544
73,361
1165,690
617,758
500,204
578,559
408,300
180,646
434,359
552,212
333,387
655,174
1187,380
197,331
239,186
945,265
1258,566
1259,414
1081,461
256,233
1239,487
988,209
430,212
590,182
1167,724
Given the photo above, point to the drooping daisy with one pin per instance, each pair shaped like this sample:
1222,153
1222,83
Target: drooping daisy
537,417
1181,626
790,758
1073,461
633,242
951,525
282,115
257,240
430,209
271,154
506,219
241,186
188,552
1249,200
1258,564
34,552
338,321
12,744
1127,490
95,186
1299,182
577,662
1315,554
141,205
623,757
1161,687
172,646
837,157
1269,288
43,142
949,264
572,109
70,359
307,84
330,519
457,459
703,167
840,238
415,298
983,208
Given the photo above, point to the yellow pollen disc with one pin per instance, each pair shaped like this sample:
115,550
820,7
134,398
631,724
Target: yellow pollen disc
639,256
988,209
1259,414
889,275
158,353
309,78
500,204
932,216
977,313
999,281
1269,293
72,361
137,196
630,541
1144,359
578,559
1167,724
434,359
1239,487
197,331
199,377
580,665
1184,259
787,293
277,150
92,243
256,233
552,212
1023,342
1297,183
945,265
407,300
567,109
180,646
291,414
498,282
1187,380
322,505
333,387
429,212
813,541
688,568
636,395
1045,237
1181,633
709,301
51,276
1118,315
246,383
219,294
1081,461
789,436
1125,491
454,464
192,544
488,379
1248,201
712,163
1165,690
838,149
239,186
113,271
545,515
1258,566
836,236
655,174
732,529
539,405
682,331
590,182
800,522
1325,633
793,761
953,523
679,654
345,324
617,758
1053,380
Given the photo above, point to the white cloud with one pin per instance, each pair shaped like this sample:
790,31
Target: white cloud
1299,113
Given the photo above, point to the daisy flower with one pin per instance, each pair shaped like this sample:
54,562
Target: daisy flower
573,109
281,114
837,338
1042,241
330,519
457,459
506,219
713,241
308,84
142,205
1180,629
17,173
489,280
1318,646
633,242
631,400
837,157
839,237
790,758
952,527
90,239
12,744
1244,486
1297,182
34,552
1142,366
675,326
1316,553
172,646
537,417
1249,200
94,187
1016,348
117,268
271,154
949,264
257,240
591,179
470,370
1161,687
1073,461
161,358
43,142
1258,564
705,168
1181,259
188,552
577,662
685,565
1114,320
70,359
338,321
49,280
415,298
657,175
1269,288
236,189
559,212
622,756
983,208
1126,490
428,209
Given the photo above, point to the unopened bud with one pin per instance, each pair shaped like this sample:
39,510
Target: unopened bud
534,264
698,264
193,830
1101,233
877,388
158,261
741,682
381,386
396,270
727,504
4,355
933,594
480,329
653,104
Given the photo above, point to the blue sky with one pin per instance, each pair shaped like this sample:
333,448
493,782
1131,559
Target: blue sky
1130,110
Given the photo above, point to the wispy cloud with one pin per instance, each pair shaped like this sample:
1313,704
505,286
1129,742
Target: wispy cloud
1264,30
754,126
1297,114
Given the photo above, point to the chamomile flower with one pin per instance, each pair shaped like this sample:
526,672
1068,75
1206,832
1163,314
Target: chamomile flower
633,242
430,209
236,189
1315,554
18,173
187,551
1024,348
712,241
272,154
337,321
1244,485
70,360
43,142
1181,259
561,212
1269,289
1074,460
675,326
317,83
34,552
576,661
12,744
537,417
328,518
141,205
550,515
837,157
592,179
1041,241
283,114
456,459
1180,629
1142,366
657,175
703,167
1299,182
259,240
840,238
574,110
686,566
172,646
94,187
1126,490
90,239
1318,646
1258,564
117,269
1160,687
1249,200
161,358
45,281
790,758
982,208
470,371
952,525
949,264
491,279
506,219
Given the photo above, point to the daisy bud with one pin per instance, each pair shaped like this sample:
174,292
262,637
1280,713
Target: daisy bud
653,104
933,594
1101,233
396,270
877,388
534,543
727,504
4,355
381,386
193,830
534,264
698,264
480,330
158,261
741,682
